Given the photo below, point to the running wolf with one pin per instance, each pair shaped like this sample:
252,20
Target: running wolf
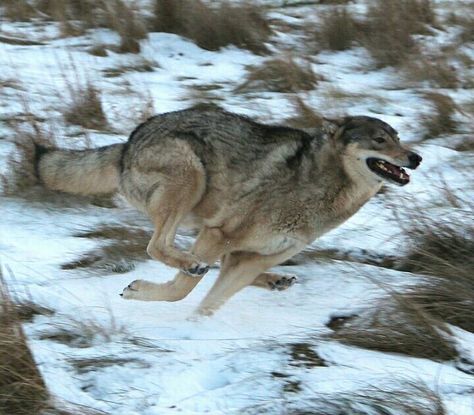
256,193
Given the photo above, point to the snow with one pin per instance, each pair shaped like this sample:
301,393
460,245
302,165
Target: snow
168,362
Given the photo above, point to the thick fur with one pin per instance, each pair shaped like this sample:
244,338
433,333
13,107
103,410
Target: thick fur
84,172
257,194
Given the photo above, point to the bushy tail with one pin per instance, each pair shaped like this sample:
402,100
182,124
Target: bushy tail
84,172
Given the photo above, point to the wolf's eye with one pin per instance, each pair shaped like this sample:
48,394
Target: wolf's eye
379,140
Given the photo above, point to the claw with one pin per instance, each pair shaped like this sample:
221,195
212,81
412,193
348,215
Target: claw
198,270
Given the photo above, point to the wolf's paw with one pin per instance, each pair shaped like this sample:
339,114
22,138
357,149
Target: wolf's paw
282,282
197,269
134,290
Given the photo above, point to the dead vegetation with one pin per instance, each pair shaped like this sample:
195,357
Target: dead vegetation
213,26
94,364
85,108
21,174
280,75
442,250
17,10
434,70
406,397
83,333
440,120
125,246
22,389
76,17
204,93
141,65
20,178
303,355
124,20
396,325
338,30
390,27
305,116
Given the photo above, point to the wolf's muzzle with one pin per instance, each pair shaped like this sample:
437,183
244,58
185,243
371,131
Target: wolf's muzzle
415,160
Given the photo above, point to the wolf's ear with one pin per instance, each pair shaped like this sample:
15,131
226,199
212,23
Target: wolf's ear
334,127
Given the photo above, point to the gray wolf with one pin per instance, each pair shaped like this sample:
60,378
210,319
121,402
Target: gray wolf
257,194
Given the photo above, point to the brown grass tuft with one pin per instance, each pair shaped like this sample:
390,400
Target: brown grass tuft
21,163
20,179
338,30
434,70
86,108
280,75
75,17
303,355
123,19
17,10
440,120
404,397
397,325
125,246
390,26
22,389
83,333
442,250
140,65
306,117
216,26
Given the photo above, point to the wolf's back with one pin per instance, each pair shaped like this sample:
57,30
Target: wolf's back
84,172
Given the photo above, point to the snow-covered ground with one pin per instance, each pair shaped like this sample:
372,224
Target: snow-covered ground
134,358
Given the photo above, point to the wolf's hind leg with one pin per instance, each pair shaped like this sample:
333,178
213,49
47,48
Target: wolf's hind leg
209,246
273,281
170,201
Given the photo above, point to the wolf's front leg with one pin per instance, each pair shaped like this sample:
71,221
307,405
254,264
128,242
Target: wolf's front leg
173,290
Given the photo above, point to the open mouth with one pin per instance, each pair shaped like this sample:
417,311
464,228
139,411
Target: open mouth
388,171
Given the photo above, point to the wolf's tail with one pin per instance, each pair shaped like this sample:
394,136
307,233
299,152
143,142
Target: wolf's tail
84,172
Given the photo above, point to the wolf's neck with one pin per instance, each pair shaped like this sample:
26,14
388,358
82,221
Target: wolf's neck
344,190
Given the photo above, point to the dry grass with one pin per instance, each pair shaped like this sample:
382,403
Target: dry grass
125,246
466,144
124,20
390,26
280,75
17,10
21,174
306,117
440,120
85,107
338,30
140,65
20,179
22,389
84,333
303,355
463,18
406,397
99,50
436,71
75,17
442,250
397,325
93,364
213,27
204,93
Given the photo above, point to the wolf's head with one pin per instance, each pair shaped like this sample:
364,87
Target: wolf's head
371,149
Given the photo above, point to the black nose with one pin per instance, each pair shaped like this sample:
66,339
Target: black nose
415,160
